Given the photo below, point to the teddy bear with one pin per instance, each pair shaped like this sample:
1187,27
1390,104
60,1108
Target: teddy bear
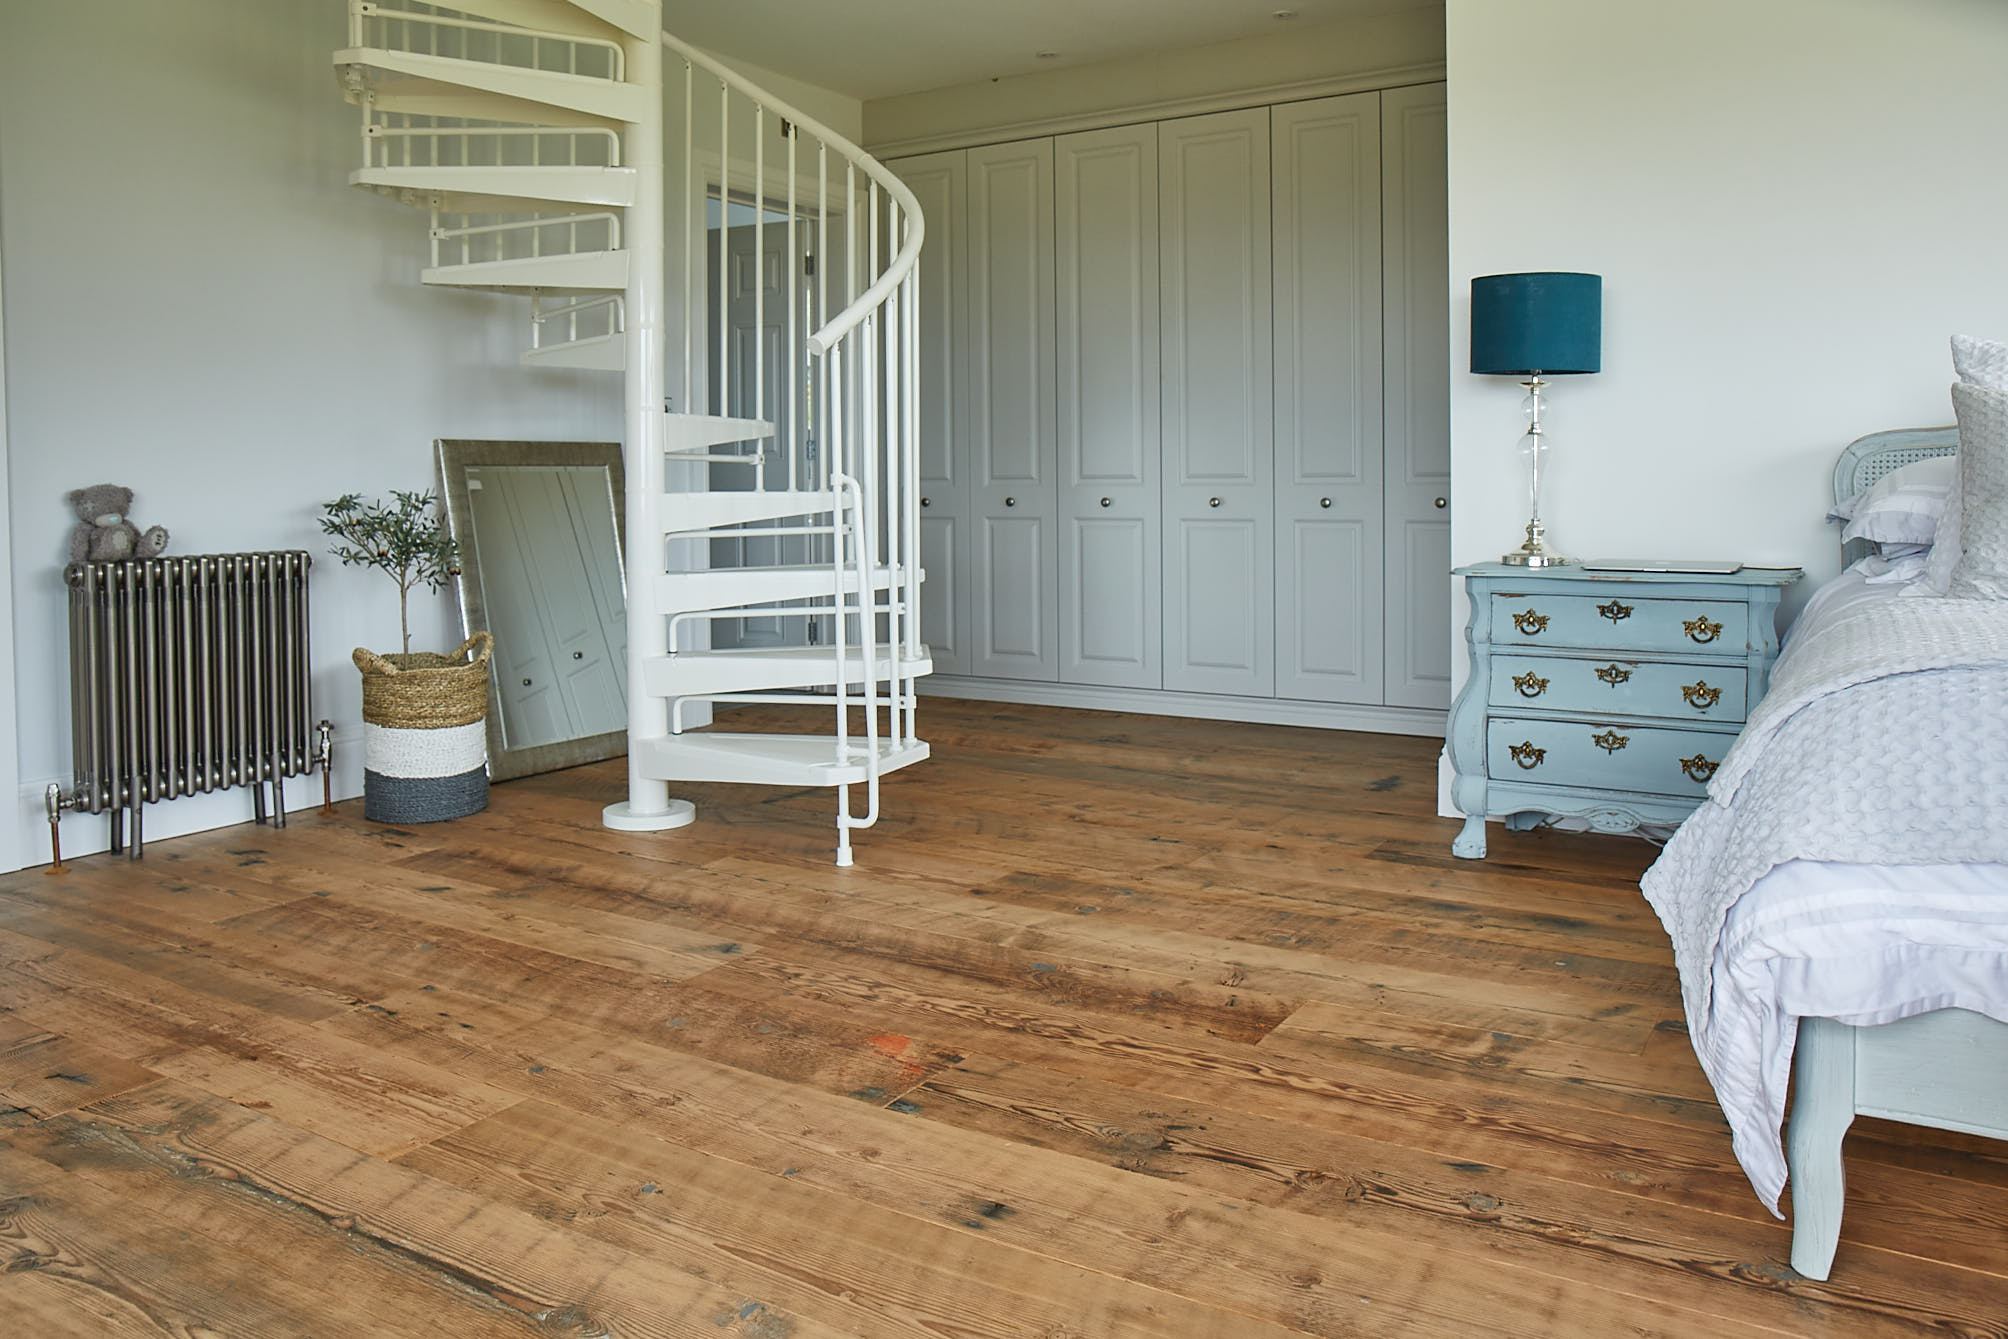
102,532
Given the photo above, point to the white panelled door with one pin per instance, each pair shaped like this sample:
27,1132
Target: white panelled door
1329,568
1218,459
1014,623
1415,221
1110,566
939,182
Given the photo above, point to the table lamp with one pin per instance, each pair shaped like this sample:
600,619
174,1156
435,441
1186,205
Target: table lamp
1534,326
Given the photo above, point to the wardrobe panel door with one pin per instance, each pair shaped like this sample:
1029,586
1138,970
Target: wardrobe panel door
1110,569
1329,538
940,184
1414,222
1014,623
1218,457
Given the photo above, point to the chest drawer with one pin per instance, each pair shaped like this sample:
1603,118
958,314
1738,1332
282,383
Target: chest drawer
1620,687
1604,755
1621,621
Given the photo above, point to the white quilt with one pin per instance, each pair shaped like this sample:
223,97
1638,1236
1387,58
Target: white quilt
1882,741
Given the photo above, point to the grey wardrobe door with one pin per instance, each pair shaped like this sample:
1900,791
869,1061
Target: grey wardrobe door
1218,488
1329,537
939,182
1414,221
1110,567
1014,624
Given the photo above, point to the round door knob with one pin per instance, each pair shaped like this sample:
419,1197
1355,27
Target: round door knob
578,655
1010,501
1105,502
1213,502
1325,502
526,683
927,502
1442,502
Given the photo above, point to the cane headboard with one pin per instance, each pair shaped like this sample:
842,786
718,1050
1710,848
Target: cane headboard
1869,458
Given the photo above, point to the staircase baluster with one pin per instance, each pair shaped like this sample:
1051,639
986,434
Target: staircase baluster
693,232
760,286
723,404
795,369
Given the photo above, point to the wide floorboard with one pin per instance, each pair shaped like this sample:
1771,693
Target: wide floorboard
1121,1026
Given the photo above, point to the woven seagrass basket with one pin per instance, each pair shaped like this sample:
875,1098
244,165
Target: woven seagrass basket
425,733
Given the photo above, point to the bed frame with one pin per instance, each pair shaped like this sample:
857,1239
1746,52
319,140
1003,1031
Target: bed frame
1947,1069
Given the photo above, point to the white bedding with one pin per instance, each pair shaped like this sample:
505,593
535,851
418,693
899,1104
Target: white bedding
1860,942
1864,944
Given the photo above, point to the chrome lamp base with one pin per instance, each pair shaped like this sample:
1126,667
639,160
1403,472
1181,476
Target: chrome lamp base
1535,552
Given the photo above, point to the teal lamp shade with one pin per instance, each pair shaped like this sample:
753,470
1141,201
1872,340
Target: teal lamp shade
1547,323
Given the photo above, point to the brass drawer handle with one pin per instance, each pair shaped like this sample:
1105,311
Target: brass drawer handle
1614,674
1698,768
1610,741
1703,630
1530,623
1530,684
1699,695
1527,755
1614,611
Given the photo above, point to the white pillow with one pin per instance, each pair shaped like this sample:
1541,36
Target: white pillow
1904,506
1982,570
1979,362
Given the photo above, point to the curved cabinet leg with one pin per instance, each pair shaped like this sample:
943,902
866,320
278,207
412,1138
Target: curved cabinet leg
1823,1106
1469,843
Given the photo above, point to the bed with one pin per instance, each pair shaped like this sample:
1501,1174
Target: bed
1822,904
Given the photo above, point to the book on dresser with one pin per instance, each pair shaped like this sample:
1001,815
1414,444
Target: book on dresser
1608,696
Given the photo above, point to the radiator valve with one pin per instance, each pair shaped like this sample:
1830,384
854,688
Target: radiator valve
325,757
55,802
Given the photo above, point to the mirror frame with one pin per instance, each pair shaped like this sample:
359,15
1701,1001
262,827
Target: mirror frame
453,456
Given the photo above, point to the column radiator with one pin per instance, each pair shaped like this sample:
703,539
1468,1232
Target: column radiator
187,674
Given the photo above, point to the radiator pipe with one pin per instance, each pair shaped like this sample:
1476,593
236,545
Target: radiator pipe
325,757
54,800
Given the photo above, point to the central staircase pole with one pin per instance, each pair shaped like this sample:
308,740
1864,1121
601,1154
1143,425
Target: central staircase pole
648,807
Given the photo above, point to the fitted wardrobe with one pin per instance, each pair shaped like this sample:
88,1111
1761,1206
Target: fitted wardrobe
1185,421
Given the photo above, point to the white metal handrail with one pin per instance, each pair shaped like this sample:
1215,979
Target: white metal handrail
902,265
361,11
374,132
542,315
533,227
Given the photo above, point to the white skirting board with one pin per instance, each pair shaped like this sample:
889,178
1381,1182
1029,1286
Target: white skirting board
1201,706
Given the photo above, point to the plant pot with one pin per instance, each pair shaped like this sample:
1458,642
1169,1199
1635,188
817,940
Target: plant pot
425,733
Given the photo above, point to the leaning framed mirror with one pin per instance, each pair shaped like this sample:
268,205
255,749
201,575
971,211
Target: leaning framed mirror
541,527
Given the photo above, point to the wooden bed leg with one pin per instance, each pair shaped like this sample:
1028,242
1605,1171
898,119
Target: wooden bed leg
1823,1107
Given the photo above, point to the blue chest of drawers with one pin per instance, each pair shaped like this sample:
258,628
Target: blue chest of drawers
1609,697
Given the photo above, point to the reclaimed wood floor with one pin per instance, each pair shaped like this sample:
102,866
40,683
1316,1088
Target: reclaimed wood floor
1120,1027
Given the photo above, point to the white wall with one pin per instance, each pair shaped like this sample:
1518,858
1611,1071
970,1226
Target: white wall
1792,203
203,310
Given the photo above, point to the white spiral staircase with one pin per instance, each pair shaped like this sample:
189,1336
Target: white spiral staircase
533,133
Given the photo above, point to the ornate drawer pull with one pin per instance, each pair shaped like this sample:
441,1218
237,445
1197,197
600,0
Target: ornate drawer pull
1614,674
1530,757
1703,630
1610,741
1530,684
1530,623
1614,611
1698,768
1699,695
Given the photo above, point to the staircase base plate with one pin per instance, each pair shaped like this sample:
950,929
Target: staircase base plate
621,818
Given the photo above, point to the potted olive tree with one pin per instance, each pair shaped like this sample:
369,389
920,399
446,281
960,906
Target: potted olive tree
425,733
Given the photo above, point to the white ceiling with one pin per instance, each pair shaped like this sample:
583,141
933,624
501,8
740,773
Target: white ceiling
878,48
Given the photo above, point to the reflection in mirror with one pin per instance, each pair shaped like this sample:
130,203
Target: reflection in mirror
540,527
